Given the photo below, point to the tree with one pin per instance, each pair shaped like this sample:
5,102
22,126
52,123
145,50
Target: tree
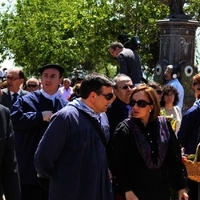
77,34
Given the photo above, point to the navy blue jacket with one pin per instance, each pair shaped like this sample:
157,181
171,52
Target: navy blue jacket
188,132
29,128
73,156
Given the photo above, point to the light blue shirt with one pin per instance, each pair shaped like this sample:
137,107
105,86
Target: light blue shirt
176,84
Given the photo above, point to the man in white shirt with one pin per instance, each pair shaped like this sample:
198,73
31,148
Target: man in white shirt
171,78
66,90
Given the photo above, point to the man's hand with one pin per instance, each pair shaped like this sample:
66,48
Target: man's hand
47,115
129,195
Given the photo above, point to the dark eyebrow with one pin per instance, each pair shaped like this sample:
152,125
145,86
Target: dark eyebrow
52,75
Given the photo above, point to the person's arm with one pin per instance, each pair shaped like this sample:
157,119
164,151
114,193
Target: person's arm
9,169
118,156
123,68
24,114
186,127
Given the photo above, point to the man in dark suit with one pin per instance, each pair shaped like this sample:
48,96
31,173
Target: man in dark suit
8,96
129,62
119,109
9,177
30,116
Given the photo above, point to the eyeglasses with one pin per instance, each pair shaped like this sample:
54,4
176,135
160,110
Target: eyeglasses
11,78
125,87
140,103
32,85
194,83
159,92
108,96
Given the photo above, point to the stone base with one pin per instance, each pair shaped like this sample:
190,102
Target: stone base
179,17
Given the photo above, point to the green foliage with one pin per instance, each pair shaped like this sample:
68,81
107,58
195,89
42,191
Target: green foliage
76,34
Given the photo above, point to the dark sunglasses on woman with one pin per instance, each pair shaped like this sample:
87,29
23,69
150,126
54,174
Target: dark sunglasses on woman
140,103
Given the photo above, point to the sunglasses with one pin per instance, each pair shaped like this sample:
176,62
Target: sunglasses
194,84
159,92
140,103
125,87
32,85
108,96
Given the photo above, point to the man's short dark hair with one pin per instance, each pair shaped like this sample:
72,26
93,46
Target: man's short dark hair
115,45
94,83
21,74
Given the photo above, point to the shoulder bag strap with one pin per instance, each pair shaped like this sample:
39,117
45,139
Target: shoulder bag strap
95,124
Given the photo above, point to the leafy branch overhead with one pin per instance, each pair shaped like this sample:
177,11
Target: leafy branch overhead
76,34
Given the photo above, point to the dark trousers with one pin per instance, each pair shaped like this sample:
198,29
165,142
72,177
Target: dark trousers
33,192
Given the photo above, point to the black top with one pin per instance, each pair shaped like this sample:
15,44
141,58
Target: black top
116,113
132,173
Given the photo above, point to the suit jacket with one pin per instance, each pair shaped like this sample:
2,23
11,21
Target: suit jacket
6,99
9,177
129,63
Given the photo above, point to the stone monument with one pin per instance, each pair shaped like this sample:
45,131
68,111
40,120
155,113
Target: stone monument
177,47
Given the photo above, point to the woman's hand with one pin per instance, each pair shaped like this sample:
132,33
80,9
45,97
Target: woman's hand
129,195
182,194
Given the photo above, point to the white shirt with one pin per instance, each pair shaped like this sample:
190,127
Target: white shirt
1,73
65,94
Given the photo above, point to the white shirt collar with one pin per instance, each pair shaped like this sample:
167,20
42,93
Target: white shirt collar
11,93
49,96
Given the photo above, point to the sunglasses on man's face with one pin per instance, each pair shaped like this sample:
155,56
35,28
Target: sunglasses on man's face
32,85
125,87
140,103
108,96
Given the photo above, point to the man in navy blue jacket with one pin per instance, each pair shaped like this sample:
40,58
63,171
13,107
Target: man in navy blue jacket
189,137
72,152
30,116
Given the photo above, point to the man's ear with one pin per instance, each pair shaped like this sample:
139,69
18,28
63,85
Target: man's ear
60,80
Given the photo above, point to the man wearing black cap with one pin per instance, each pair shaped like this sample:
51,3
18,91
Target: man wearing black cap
30,116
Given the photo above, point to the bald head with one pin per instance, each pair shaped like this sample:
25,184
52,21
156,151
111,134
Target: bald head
15,78
32,84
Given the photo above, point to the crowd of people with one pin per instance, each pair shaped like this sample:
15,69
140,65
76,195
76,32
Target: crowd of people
100,139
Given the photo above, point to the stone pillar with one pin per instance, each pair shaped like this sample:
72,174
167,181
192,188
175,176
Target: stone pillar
177,47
